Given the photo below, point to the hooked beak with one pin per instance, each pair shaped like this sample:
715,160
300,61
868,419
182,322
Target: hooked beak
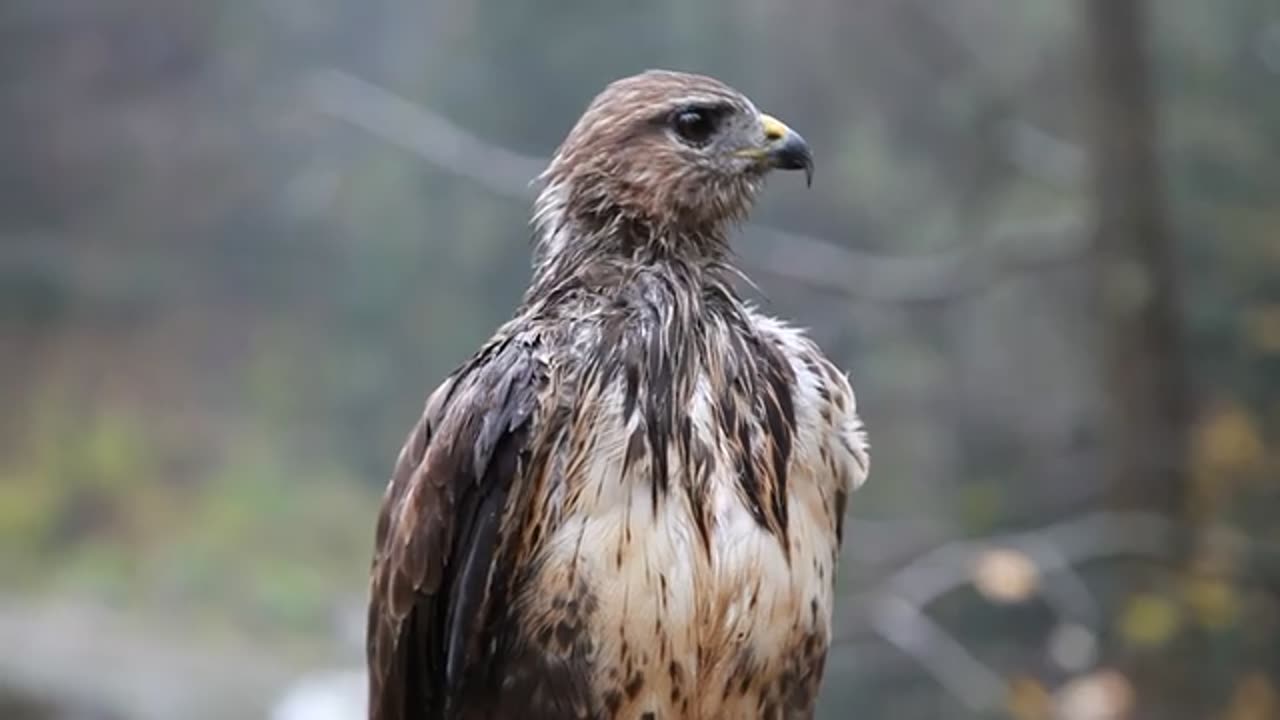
784,148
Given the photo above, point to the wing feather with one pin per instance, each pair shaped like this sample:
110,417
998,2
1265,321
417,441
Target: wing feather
439,529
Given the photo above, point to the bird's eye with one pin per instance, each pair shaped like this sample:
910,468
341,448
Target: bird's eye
694,126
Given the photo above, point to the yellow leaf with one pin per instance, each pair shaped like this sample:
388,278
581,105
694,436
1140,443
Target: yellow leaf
1028,699
1213,601
1254,699
1228,441
1005,576
1262,328
1227,448
1149,620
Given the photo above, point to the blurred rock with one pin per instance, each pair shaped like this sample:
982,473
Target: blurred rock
25,704
82,661
328,695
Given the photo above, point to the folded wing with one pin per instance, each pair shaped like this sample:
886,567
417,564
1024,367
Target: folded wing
439,532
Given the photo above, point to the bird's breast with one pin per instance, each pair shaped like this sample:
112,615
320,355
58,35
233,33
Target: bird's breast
689,605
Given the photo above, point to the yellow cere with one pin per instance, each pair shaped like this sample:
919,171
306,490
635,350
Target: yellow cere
774,129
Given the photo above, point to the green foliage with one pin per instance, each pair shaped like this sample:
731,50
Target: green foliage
263,533
210,379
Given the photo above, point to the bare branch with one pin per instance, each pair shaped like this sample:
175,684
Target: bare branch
905,626
1040,154
814,262
1095,535
928,277
896,610
428,135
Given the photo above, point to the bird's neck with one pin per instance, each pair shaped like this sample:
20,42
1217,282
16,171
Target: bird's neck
570,242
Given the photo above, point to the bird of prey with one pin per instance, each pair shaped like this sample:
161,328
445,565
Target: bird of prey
628,503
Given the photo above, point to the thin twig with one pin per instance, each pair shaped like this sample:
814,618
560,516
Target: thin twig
897,609
906,626
812,261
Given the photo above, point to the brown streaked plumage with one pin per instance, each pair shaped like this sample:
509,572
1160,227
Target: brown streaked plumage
629,502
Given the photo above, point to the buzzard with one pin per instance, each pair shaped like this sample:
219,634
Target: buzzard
628,503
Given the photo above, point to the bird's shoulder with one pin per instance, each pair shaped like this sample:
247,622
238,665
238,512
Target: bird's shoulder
822,393
807,359
490,394
437,527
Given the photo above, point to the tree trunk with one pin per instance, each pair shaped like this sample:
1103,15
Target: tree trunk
1146,414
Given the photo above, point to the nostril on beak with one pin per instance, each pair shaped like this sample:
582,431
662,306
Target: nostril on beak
773,128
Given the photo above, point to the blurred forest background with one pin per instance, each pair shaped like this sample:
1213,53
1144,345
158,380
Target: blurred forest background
240,242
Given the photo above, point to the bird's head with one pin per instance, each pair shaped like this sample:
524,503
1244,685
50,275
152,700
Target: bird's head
666,151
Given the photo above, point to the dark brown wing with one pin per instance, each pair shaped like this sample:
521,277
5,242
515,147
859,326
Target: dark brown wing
438,531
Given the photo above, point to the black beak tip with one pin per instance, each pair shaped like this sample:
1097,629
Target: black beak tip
793,154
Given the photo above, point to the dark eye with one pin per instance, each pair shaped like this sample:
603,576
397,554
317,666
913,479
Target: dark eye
694,125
